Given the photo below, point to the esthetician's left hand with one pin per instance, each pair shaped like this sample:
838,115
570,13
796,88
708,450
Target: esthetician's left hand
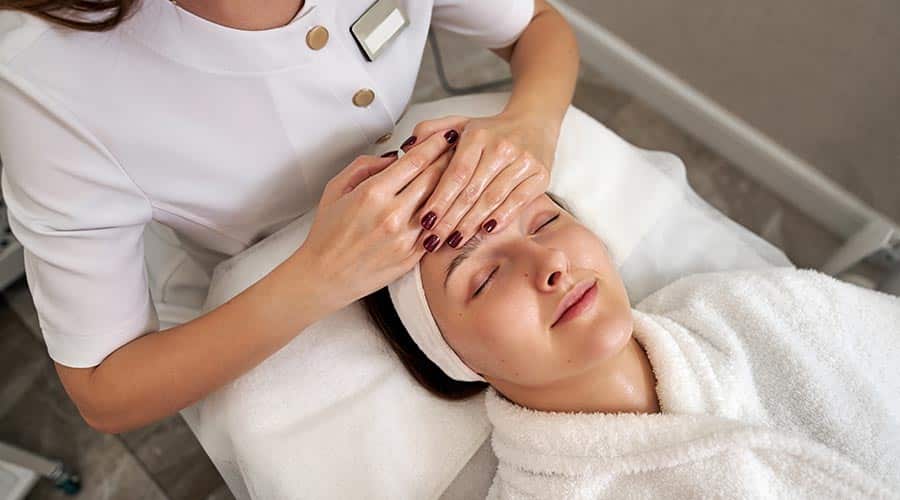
501,163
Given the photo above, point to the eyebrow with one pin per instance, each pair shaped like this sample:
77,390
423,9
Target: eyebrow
467,250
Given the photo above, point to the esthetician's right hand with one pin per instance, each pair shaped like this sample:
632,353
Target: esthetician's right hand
364,236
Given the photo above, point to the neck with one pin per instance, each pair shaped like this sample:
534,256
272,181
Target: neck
250,15
624,383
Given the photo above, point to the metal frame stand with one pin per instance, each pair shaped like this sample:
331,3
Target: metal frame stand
53,470
877,243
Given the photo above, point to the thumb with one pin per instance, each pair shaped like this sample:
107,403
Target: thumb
353,175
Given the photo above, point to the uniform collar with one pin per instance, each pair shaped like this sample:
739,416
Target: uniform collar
190,40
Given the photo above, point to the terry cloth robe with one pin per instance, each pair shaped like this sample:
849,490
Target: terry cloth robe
772,384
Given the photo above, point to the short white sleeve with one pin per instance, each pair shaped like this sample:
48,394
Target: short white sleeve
80,219
491,24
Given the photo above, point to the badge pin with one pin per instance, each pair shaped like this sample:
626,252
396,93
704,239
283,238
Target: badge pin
380,24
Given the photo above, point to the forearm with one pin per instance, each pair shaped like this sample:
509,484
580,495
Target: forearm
544,66
158,374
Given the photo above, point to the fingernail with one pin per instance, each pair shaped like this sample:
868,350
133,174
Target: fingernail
490,225
454,239
391,153
432,242
429,220
409,142
451,136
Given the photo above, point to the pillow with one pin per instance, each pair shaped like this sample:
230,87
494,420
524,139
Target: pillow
334,414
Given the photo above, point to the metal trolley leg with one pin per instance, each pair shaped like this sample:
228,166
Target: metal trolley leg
53,470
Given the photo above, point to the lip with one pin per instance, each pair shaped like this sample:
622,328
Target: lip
574,302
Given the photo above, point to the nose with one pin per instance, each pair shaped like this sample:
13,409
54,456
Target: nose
552,265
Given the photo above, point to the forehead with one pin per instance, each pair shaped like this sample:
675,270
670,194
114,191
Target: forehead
446,253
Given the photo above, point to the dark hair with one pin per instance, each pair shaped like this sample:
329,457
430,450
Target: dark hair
68,13
381,310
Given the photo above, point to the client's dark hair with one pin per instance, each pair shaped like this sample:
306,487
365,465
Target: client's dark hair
381,310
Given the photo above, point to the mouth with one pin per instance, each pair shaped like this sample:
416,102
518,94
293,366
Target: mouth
579,299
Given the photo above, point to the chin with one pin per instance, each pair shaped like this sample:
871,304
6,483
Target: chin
607,337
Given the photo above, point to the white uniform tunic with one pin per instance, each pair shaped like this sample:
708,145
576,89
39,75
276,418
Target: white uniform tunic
221,134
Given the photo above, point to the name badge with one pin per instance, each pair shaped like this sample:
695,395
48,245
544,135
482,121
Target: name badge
380,24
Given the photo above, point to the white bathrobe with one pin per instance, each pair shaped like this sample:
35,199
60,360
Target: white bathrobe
772,384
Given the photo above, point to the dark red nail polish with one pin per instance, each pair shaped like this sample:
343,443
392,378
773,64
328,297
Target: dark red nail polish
409,142
429,220
454,239
451,136
431,242
391,153
490,225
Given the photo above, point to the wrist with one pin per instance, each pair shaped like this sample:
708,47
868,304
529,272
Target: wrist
303,281
546,118
545,122
542,132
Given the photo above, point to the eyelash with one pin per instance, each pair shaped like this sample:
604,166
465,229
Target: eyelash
480,288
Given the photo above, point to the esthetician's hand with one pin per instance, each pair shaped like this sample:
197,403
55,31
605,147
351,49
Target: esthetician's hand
364,235
501,163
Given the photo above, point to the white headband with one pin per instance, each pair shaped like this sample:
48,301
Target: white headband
409,301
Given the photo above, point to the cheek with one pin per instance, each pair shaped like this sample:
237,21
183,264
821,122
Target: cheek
586,250
611,333
611,328
503,332
607,335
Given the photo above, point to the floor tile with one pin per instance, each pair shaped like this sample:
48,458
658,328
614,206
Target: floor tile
465,64
598,98
174,457
18,297
221,493
22,359
43,420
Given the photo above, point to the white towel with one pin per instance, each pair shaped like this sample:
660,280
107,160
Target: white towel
773,384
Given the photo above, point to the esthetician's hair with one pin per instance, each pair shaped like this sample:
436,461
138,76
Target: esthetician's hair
83,15
381,310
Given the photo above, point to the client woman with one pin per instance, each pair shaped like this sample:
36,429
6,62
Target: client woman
764,383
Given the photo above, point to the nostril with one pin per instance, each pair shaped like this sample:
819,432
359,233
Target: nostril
553,277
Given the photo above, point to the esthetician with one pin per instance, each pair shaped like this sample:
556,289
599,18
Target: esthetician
225,120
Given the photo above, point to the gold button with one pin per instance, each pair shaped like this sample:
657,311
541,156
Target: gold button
386,137
317,37
363,97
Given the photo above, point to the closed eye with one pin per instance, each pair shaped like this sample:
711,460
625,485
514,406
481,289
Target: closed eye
485,282
548,222
480,288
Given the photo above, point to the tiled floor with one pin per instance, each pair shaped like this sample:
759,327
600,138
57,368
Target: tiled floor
164,461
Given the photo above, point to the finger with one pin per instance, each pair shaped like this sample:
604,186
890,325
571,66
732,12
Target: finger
490,166
492,163
427,128
411,197
354,173
485,173
414,195
405,169
418,251
368,169
460,186
499,189
416,192
525,192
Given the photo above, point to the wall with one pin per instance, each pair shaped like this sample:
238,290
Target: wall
821,77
